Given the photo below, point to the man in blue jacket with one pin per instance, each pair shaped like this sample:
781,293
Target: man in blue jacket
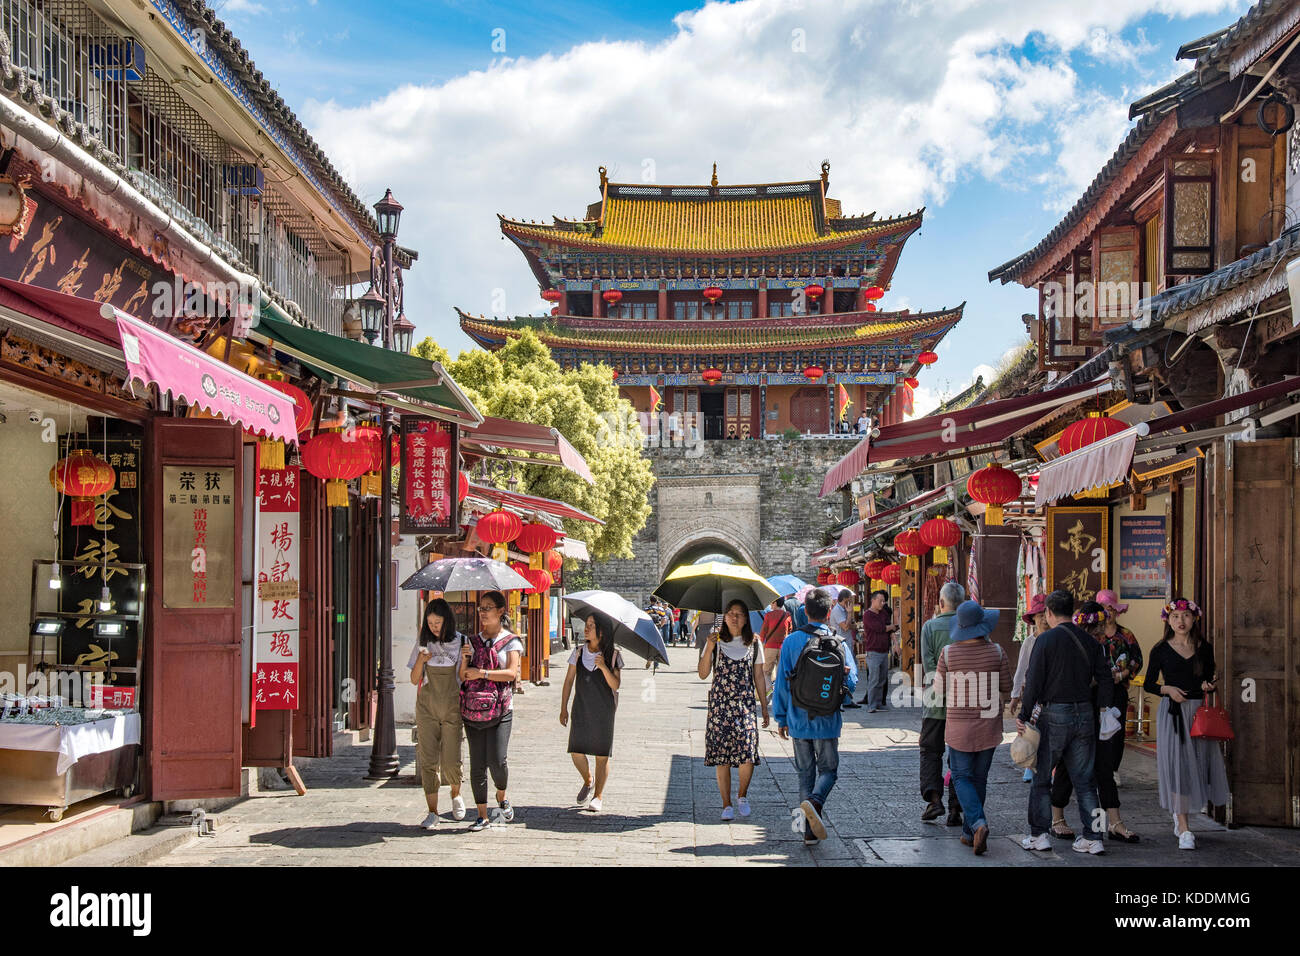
816,739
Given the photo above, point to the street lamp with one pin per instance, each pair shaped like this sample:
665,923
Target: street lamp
375,307
403,333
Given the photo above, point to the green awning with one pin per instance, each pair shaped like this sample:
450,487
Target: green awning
392,376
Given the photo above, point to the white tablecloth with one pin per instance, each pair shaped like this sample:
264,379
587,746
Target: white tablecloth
74,741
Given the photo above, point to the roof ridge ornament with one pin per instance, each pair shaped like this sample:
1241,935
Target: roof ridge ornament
714,181
826,173
604,179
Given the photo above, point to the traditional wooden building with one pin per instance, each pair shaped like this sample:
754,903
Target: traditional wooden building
745,305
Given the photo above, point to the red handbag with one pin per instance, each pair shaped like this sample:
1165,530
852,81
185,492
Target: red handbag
1212,722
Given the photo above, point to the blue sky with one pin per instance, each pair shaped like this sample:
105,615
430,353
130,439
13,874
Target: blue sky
994,114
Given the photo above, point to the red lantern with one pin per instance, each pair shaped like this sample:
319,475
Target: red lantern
823,576
875,292
612,296
552,295
994,486
872,569
270,451
83,476
814,372
535,538
927,358
909,544
713,294
555,311
871,307
911,383
849,579
554,561
336,462
462,485
711,375
1091,429
499,527
370,438
613,375
892,575
813,291
941,534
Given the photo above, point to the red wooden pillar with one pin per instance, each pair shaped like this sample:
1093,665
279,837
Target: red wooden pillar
595,300
762,300
663,300
862,298
563,303
828,299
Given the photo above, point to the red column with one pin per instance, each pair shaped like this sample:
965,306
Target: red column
596,300
828,299
564,303
663,301
762,300
862,298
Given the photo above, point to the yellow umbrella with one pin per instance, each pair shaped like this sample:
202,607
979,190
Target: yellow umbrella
712,586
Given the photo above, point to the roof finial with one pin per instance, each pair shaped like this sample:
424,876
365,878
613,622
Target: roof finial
714,182
826,173
603,179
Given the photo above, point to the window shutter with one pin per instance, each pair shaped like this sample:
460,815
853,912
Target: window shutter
1116,275
1189,215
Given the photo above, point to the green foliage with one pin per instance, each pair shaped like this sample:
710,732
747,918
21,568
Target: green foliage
431,350
522,382
791,433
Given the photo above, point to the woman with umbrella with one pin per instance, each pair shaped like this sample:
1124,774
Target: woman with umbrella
595,669
731,733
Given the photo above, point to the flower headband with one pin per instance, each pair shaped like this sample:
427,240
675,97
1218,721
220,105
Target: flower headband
1182,604
1087,620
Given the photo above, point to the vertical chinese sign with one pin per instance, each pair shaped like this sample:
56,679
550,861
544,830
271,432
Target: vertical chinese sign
430,452
275,654
198,536
909,623
1143,566
1078,551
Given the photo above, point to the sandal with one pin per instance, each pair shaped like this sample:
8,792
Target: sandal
1061,830
1123,833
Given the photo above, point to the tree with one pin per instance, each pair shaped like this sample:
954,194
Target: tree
522,382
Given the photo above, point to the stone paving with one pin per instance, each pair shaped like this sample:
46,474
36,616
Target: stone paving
661,806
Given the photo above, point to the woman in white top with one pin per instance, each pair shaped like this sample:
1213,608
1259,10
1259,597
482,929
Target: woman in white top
437,708
596,671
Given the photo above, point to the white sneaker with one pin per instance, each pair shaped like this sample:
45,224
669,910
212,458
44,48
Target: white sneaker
728,813
458,808
1186,841
1115,776
430,822
742,805
1040,842
1084,845
595,805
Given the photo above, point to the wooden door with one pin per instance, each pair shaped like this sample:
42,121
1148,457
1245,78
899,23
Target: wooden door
810,410
1253,623
741,422
193,681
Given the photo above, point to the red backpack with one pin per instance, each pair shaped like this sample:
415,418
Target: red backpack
482,700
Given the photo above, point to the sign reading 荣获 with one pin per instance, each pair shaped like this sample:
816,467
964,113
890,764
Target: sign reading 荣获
275,644
198,536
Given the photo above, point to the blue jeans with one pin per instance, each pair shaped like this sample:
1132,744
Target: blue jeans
818,762
970,778
1069,735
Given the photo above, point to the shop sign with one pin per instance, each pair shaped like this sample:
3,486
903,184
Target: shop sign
430,452
198,536
112,698
1077,544
1143,562
275,644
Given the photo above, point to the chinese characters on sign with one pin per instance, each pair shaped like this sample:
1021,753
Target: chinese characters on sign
275,644
430,459
198,536
1143,565
1077,546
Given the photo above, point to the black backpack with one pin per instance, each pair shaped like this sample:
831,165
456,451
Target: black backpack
817,683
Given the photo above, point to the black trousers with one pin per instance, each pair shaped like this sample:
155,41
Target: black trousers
932,751
1109,754
487,752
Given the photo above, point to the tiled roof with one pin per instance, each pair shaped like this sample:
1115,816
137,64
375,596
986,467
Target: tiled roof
694,337
1258,18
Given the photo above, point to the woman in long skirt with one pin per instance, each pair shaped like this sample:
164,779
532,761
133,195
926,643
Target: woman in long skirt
735,659
595,670
1181,672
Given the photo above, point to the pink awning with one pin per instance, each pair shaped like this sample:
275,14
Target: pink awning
1100,464
548,506
847,468
859,530
155,358
504,433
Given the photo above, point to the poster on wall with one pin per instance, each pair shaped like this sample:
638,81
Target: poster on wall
1143,562
275,647
198,509
430,457
1077,543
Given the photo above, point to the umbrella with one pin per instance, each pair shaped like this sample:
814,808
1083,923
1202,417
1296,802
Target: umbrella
633,628
786,584
711,586
466,574
802,594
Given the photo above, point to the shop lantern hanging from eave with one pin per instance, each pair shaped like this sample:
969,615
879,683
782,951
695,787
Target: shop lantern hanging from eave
823,576
994,486
909,544
940,534
498,528
270,451
83,476
554,562
892,575
540,579
872,570
336,461
849,579
370,438
1085,432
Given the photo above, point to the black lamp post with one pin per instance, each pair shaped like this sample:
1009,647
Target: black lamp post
374,306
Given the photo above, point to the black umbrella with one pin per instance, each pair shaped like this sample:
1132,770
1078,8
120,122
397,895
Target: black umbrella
466,574
633,628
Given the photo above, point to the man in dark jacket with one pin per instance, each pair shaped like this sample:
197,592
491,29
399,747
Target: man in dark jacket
1062,670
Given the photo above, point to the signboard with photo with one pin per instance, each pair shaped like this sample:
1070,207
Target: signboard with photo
430,455
1143,562
1077,543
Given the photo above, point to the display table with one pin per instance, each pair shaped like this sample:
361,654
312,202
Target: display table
55,766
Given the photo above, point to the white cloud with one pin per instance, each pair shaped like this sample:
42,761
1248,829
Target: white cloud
906,99
237,7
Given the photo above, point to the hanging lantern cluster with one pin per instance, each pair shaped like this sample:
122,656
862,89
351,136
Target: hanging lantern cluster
872,570
336,461
940,534
498,528
713,294
823,576
83,476
994,486
270,451
909,544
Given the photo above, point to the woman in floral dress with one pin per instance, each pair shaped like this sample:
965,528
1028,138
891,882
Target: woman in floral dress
731,735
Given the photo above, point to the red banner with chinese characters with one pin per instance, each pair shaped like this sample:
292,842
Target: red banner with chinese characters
275,645
430,461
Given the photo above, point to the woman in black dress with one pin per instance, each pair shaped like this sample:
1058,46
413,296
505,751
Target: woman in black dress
595,670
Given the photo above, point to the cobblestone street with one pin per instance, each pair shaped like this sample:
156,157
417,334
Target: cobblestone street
661,806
